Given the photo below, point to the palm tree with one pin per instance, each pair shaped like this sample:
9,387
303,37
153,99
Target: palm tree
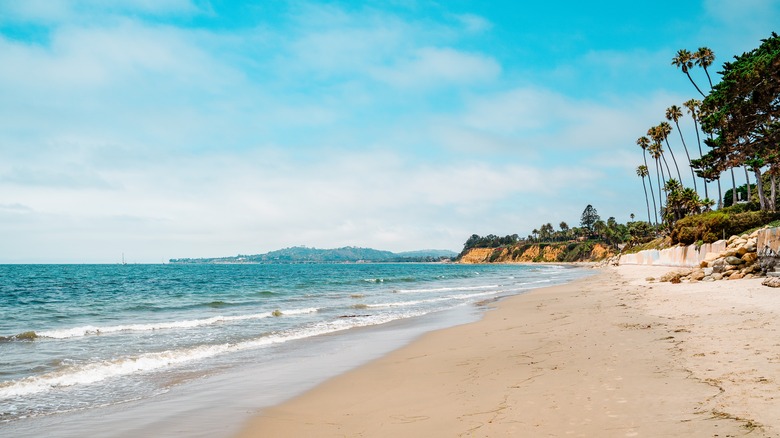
673,113
704,57
656,153
664,129
657,136
684,60
693,109
644,143
642,172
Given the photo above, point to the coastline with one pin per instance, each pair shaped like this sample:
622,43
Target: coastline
608,355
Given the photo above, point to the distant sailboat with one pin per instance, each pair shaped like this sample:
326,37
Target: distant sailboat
123,259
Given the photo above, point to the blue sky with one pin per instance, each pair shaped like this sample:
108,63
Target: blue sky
185,128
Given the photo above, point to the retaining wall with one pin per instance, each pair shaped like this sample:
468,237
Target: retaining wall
683,256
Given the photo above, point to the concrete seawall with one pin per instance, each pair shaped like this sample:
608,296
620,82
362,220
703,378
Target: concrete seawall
682,256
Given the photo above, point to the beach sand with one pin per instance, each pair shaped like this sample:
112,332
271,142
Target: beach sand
612,355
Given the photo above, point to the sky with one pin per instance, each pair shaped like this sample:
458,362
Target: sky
165,129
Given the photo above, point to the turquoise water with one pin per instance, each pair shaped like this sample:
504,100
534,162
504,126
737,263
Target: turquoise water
79,337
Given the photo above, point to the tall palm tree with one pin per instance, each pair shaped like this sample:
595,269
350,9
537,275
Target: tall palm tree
656,153
642,172
664,129
684,60
674,113
644,143
704,57
655,134
693,109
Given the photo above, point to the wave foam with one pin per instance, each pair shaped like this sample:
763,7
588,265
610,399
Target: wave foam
93,330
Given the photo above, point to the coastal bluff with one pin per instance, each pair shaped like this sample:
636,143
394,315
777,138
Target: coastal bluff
540,252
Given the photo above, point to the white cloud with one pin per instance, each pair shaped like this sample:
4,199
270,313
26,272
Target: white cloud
436,67
474,23
72,11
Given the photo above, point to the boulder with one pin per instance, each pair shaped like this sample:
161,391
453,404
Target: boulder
697,275
674,276
707,272
771,282
732,260
717,276
730,251
750,258
736,276
718,266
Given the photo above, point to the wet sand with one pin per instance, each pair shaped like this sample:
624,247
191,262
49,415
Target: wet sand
613,355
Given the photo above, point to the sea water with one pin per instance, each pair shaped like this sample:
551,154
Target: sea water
81,338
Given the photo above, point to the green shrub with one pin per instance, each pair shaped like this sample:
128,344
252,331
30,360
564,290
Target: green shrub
711,226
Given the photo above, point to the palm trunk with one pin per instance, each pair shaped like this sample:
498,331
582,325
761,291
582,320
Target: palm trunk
660,187
734,198
760,187
663,157
709,79
694,83
720,195
652,195
647,202
693,175
698,140
679,175
773,194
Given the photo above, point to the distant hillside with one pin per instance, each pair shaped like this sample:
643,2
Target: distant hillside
348,254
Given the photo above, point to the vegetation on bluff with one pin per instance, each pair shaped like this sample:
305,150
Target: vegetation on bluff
737,120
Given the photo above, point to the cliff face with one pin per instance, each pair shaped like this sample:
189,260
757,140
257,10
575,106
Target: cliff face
525,253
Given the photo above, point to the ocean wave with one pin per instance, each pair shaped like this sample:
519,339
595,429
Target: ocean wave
75,332
445,289
94,372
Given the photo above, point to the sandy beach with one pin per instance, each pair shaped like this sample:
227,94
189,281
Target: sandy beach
612,355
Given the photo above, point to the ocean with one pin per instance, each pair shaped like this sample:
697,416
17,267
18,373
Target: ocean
117,350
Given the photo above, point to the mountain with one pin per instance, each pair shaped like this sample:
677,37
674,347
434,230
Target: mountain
347,254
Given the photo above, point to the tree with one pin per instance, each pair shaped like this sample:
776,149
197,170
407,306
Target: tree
564,229
674,113
657,135
693,109
704,57
663,130
743,110
655,153
684,61
642,172
644,143
589,217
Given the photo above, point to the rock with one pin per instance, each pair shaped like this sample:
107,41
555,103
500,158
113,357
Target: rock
712,256
738,242
748,276
697,275
750,258
730,251
742,250
650,279
718,266
731,240
717,276
736,276
732,260
674,276
708,278
707,272
771,282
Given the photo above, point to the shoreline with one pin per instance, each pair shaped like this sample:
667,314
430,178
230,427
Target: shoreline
607,355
